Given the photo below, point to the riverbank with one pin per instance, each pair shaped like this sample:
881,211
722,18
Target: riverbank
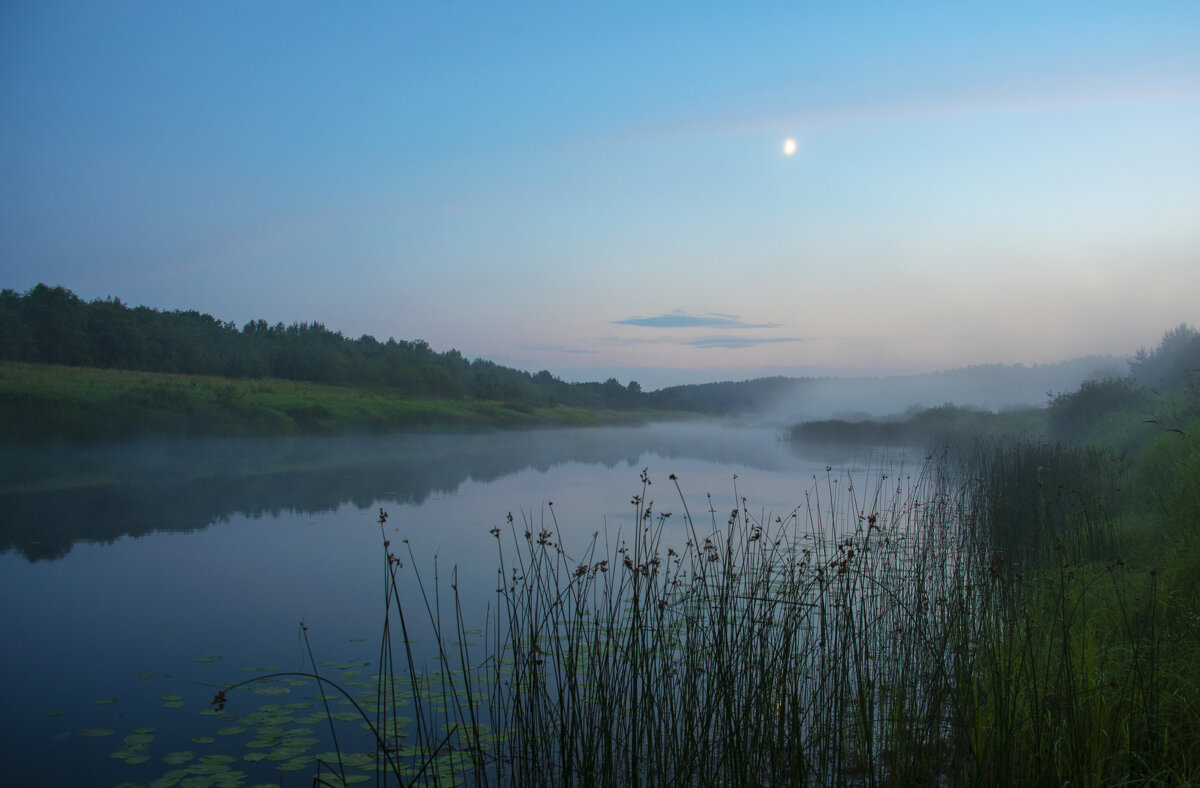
43,402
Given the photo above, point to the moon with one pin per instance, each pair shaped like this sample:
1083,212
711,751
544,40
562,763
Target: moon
789,146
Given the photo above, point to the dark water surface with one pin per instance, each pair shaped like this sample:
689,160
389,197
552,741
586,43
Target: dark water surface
126,569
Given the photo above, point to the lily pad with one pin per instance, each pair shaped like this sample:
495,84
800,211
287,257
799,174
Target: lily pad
203,739
104,702
200,781
178,757
232,730
272,690
208,659
169,779
93,733
217,758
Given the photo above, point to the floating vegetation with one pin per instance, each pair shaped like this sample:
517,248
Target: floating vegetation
208,659
104,702
272,690
94,733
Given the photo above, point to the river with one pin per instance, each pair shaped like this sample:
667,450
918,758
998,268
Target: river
139,578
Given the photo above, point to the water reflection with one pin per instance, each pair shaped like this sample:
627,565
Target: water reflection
56,496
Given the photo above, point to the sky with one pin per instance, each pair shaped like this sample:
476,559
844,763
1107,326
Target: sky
602,189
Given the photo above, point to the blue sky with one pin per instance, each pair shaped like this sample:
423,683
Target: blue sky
600,188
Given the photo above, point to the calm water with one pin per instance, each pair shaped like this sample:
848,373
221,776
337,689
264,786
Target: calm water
126,565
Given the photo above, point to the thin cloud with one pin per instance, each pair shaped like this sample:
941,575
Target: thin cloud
680,320
735,343
557,349
990,99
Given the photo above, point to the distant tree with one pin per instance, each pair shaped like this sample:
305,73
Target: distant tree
1072,415
1174,363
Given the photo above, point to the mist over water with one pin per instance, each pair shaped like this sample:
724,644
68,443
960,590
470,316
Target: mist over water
993,387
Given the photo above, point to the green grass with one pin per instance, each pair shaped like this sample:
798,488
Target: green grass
929,428
45,402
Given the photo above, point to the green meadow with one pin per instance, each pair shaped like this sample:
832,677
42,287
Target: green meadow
51,402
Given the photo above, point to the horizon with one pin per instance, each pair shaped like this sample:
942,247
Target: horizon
670,195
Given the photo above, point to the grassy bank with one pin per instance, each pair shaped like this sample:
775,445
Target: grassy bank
48,402
930,428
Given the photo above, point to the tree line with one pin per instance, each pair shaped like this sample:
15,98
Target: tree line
1171,366
51,325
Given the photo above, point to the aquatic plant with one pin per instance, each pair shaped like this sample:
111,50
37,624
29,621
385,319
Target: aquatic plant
964,624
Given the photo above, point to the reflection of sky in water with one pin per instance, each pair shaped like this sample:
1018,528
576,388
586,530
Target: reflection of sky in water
85,625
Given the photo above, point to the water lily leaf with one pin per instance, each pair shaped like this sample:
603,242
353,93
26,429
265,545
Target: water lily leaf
134,760
139,739
218,758
52,713
230,779
178,757
104,702
208,659
232,730
145,675
171,697
203,739
93,733
169,780
174,704
272,690
358,640
301,741
196,782
254,757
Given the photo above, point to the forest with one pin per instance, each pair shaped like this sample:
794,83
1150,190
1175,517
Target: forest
51,325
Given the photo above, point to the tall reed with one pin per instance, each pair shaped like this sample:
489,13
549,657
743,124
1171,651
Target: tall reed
970,623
